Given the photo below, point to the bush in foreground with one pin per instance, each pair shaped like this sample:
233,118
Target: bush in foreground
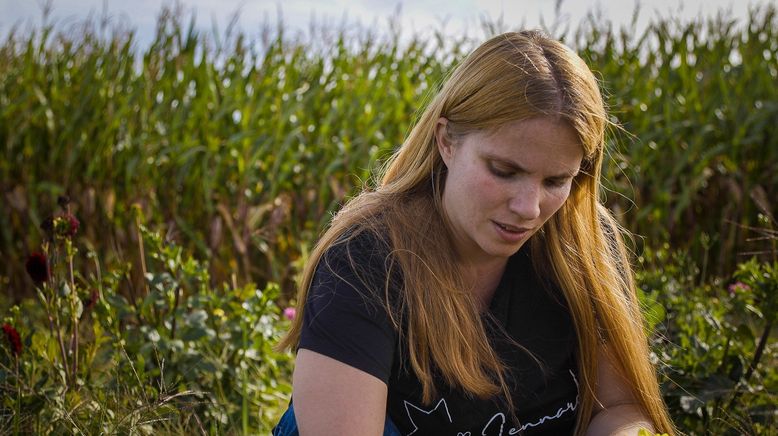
179,355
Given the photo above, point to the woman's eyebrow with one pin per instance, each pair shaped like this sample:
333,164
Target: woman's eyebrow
518,168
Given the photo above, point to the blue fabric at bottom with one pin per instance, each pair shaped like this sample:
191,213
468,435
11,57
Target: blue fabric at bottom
287,425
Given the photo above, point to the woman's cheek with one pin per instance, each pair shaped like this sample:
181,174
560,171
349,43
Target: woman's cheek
557,200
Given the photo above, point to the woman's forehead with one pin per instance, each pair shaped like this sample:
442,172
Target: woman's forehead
532,145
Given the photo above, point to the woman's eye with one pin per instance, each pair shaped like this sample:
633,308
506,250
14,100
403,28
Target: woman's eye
556,183
501,172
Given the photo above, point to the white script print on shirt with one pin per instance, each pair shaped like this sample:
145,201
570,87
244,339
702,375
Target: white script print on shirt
424,420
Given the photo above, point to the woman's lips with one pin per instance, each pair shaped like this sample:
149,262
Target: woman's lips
511,233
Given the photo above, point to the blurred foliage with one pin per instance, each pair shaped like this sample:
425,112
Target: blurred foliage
701,99
178,357
241,150
715,341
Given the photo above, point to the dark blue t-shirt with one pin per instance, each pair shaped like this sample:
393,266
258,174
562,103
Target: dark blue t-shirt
345,318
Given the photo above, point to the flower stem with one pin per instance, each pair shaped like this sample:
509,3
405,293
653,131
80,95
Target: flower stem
17,416
141,251
57,326
73,297
175,309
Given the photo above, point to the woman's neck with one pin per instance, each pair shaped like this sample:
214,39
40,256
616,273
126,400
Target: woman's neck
485,277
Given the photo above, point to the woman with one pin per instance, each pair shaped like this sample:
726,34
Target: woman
481,289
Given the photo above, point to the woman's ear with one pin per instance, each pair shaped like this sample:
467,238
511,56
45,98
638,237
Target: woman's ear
443,141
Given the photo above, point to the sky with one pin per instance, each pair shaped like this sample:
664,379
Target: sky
455,17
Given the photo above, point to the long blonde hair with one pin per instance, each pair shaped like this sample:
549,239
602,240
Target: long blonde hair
513,76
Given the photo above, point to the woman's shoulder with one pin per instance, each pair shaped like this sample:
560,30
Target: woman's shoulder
360,244
345,314
359,257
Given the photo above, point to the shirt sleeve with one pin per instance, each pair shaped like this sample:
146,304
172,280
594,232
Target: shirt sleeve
345,316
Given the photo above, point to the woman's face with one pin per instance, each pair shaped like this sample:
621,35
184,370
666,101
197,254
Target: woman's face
501,186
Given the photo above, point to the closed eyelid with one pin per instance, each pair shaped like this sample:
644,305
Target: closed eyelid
503,170
503,166
556,181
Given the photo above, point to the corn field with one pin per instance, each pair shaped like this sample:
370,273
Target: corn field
242,149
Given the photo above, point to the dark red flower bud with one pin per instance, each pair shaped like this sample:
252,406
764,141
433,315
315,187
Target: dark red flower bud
73,225
66,226
14,340
38,268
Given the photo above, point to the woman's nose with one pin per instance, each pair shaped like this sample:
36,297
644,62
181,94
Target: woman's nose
525,202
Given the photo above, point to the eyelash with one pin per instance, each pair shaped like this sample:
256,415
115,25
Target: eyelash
553,183
499,173
556,183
